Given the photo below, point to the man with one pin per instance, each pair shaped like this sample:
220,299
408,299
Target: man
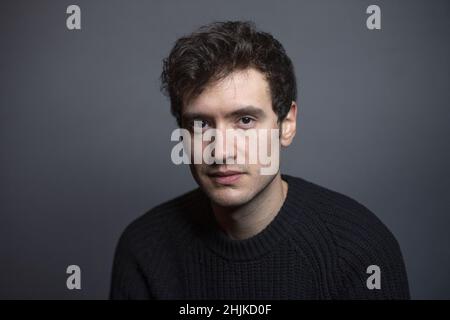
243,234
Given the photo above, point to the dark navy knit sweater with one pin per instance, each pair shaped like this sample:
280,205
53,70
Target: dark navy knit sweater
318,246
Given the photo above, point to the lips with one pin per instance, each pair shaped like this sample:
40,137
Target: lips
226,177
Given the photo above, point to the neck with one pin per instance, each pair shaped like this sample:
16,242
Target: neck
251,218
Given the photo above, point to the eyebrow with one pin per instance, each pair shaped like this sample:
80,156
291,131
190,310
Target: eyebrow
247,111
242,111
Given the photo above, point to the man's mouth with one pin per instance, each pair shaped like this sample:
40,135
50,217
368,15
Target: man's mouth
226,177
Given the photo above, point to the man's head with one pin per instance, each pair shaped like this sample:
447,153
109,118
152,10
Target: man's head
228,75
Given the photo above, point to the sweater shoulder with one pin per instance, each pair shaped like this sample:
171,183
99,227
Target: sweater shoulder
160,224
360,239
345,217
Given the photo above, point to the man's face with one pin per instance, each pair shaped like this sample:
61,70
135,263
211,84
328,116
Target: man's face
240,101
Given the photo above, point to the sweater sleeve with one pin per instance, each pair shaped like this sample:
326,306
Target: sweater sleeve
127,280
370,261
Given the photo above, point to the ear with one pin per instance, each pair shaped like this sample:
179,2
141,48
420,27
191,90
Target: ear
288,126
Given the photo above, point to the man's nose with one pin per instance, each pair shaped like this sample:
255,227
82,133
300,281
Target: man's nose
223,150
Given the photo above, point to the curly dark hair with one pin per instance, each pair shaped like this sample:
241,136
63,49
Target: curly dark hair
217,49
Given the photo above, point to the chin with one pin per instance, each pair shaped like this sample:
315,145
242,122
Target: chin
227,197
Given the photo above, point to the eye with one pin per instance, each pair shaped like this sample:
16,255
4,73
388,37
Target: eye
246,121
198,123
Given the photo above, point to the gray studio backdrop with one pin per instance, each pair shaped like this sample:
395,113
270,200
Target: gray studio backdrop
85,133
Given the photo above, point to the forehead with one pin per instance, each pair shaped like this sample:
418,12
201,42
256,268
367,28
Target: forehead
240,88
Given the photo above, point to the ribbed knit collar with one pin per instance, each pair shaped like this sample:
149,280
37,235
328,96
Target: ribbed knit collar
248,249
